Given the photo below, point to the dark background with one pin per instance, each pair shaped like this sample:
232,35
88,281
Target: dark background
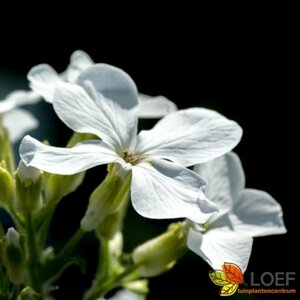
243,67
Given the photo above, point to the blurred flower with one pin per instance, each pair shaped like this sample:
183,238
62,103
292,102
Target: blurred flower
18,121
126,295
243,214
43,79
105,103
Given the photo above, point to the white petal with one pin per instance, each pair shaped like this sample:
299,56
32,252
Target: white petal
79,61
219,245
43,79
163,190
103,117
66,161
256,213
155,107
19,122
113,83
7,104
18,98
225,180
126,295
190,136
107,106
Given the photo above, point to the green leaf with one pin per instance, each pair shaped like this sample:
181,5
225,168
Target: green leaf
218,278
228,289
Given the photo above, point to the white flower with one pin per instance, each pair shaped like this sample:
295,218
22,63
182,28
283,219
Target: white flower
104,103
244,213
44,78
18,121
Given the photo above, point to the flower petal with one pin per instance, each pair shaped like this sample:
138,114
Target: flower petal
66,161
219,245
190,136
43,79
163,190
225,180
113,83
155,107
79,61
113,119
256,213
100,116
18,98
126,295
18,122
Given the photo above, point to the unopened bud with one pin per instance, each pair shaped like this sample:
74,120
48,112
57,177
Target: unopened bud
14,259
6,185
28,188
29,294
58,186
161,253
107,198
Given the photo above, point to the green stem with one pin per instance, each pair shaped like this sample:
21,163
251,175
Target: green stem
32,254
69,247
103,269
100,288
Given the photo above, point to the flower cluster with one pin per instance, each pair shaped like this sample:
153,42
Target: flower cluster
150,168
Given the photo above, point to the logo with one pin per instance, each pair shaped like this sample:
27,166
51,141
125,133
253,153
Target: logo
231,276
228,278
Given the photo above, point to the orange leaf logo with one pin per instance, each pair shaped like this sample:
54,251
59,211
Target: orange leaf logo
229,278
233,273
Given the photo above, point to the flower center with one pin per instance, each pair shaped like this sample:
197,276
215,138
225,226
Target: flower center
202,227
129,157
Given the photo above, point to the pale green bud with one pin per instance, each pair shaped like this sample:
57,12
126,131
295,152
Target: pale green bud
107,198
161,253
6,185
28,188
112,223
14,259
58,186
29,294
78,137
138,286
6,151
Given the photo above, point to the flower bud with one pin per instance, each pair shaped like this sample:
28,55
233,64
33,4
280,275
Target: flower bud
29,294
58,186
107,198
161,253
28,188
112,223
14,259
6,185
6,151
138,286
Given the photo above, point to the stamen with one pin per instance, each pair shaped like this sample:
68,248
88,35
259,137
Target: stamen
129,157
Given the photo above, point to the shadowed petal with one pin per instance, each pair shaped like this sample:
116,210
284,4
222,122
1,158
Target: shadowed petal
225,180
256,213
162,190
155,107
19,122
43,79
79,61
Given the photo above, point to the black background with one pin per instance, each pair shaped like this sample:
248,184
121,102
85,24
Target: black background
244,67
